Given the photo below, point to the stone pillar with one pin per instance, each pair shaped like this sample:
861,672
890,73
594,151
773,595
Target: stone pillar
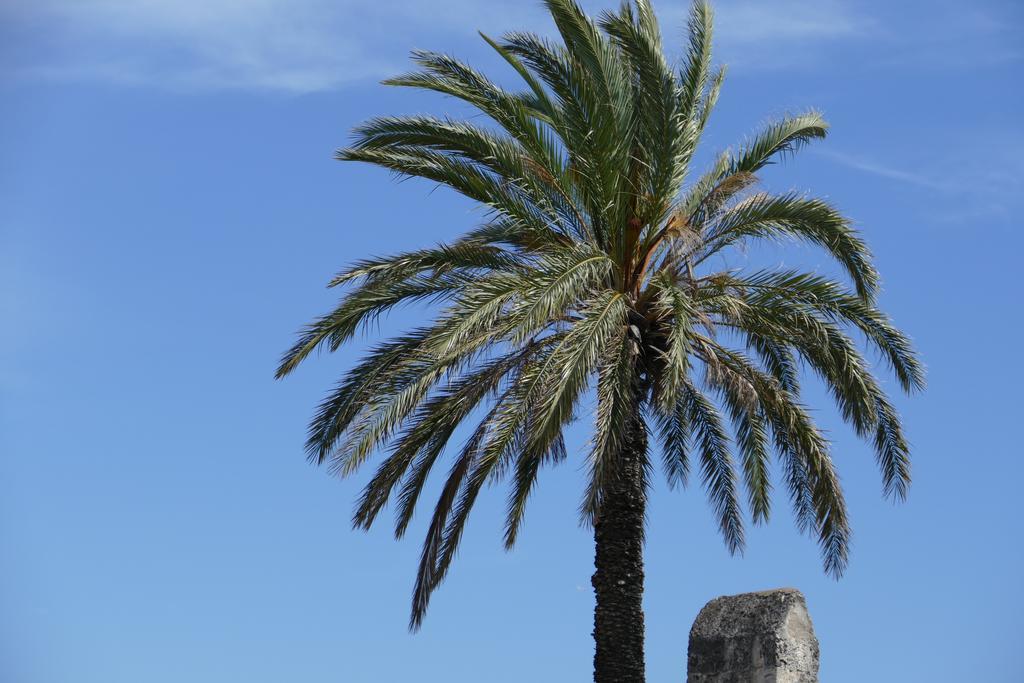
762,637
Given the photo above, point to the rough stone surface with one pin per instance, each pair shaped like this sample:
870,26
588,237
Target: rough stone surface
764,637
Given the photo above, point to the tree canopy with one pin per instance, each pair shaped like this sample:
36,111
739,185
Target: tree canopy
593,275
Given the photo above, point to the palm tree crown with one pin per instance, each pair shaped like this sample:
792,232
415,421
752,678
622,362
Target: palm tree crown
592,276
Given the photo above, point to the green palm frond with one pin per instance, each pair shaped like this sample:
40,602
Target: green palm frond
591,279
778,139
674,432
716,464
811,220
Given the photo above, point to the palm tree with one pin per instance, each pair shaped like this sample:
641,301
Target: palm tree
592,279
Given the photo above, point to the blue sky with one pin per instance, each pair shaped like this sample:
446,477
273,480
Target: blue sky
170,212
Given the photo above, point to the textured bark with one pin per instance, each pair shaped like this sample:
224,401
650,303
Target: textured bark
619,577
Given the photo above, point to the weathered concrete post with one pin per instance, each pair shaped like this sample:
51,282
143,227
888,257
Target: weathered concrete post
762,637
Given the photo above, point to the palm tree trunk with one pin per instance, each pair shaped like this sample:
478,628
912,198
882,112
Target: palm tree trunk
619,577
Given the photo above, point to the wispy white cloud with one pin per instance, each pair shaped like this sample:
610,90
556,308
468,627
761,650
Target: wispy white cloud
291,45
976,180
763,35
752,23
948,34
758,35
221,43
786,33
860,163
311,45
